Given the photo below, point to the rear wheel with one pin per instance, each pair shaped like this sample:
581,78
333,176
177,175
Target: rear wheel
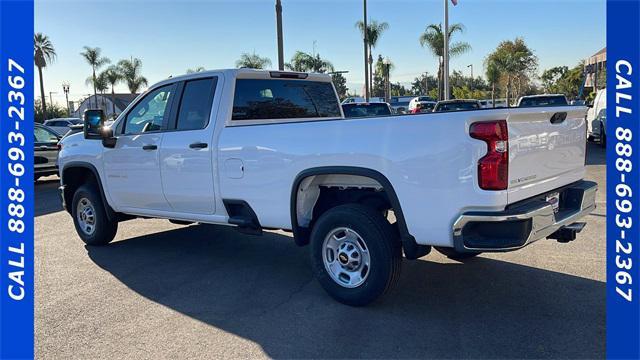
90,218
356,255
451,253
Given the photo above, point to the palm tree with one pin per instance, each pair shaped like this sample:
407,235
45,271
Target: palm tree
94,58
44,54
130,70
253,61
196,70
113,76
493,76
100,83
433,38
304,62
374,31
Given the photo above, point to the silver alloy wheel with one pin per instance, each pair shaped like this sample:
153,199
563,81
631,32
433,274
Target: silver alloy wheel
346,257
86,216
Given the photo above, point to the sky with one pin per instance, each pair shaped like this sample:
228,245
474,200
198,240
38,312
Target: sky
173,36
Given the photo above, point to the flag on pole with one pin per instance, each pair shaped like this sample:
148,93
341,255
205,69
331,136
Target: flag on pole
454,2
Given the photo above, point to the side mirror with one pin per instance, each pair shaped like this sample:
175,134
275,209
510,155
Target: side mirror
93,123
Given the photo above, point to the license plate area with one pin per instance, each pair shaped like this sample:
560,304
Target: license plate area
554,200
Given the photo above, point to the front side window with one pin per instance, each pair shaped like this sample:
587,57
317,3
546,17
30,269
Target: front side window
195,106
149,113
284,99
43,135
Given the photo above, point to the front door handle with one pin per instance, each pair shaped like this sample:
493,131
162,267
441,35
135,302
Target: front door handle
198,145
150,147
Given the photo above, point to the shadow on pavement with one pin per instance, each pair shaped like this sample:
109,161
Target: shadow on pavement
262,289
47,196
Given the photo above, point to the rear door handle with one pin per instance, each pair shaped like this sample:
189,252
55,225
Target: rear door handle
198,145
150,147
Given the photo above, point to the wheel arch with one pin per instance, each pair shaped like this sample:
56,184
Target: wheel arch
301,234
76,173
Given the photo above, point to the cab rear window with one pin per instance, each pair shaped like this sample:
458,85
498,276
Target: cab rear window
258,99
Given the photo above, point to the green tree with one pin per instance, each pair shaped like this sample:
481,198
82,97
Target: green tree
374,32
43,54
113,76
131,74
563,80
195,70
433,39
100,84
379,78
93,57
53,111
516,63
340,83
253,61
304,62
422,84
493,76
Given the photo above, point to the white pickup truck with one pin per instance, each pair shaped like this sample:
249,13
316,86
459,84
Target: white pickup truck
271,150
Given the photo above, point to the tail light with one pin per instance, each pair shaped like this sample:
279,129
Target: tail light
493,168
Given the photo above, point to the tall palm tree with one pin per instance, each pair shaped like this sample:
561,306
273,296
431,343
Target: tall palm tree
130,70
304,62
253,61
113,76
100,84
43,55
94,58
433,39
493,76
374,31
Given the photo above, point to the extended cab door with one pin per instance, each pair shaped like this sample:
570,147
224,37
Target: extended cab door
132,167
187,151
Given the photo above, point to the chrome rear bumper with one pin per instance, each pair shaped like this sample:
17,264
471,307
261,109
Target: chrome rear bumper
524,222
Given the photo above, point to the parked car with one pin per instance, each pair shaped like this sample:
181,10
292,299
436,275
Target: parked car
599,128
488,103
599,103
400,104
62,125
45,151
425,101
423,107
366,109
276,153
355,99
457,105
542,100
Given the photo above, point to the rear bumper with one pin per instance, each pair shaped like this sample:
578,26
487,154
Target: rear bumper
524,222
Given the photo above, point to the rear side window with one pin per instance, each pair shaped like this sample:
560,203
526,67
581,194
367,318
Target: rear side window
543,101
257,99
195,106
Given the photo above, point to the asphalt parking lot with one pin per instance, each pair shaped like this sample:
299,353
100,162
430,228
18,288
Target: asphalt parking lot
167,291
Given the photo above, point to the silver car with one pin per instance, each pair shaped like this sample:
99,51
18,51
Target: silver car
45,151
62,125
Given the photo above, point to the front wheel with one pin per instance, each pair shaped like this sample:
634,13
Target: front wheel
90,218
355,253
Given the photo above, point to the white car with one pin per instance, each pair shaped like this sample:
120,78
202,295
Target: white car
62,125
599,103
356,99
257,149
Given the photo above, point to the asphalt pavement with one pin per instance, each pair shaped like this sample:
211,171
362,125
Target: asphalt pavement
167,291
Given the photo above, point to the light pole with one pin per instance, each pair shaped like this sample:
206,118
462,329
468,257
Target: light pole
279,31
387,88
366,57
446,50
51,98
426,83
65,88
471,66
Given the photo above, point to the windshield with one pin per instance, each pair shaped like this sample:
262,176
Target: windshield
457,106
543,101
362,110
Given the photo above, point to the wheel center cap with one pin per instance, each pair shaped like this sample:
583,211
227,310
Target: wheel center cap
344,259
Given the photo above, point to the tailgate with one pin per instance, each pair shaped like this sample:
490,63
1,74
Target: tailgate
545,152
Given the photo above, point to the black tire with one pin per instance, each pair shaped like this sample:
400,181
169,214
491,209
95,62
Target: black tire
451,253
104,230
383,249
